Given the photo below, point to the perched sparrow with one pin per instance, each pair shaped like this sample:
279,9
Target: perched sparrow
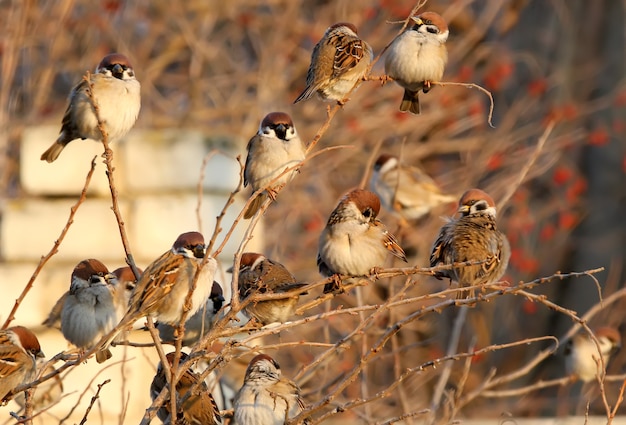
19,351
339,61
274,148
581,353
258,274
417,57
407,191
198,324
163,287
266,398
198,409
354,240
115,90
473,236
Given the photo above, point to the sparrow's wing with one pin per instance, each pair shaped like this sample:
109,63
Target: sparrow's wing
54,318
12,357
69,130
441,247
246,168
390,242
349,52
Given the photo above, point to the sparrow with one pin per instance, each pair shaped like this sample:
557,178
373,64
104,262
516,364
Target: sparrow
473,236
260,275
582,359
354,241
274,148
338,62
197,325
198,409
117,93
19,351
95,303
417,57
163,287
266,398
404,190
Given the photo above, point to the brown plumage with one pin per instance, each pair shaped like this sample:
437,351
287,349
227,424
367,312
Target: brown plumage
19,351
198,409
473,236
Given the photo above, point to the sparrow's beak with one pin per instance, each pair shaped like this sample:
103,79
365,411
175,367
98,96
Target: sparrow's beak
281,131
40,355
463,209
117,70
229,270
417,20
198,251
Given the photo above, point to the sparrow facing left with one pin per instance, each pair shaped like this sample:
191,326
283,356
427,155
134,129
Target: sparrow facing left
258,274
405,190
117,94
275,148
581,353
417,57
95,303
266,397
473,236
338,62
199,408
19,351
354,241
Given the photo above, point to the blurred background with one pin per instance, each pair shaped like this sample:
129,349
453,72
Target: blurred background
214,69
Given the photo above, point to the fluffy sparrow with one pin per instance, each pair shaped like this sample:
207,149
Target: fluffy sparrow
339,61
354,241
19,351
473,236
405,190
266,398
417,57
581,353
94,305
163,287
274,148
258,274
199,323
198,409
115,90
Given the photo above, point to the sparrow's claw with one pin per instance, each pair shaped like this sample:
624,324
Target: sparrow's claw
335,286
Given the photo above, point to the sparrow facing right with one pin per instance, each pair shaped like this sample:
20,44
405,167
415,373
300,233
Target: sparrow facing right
405,190
275,148
258,274
581,352
473,236
19,351
417,57
338,62
354,241
266,397
117,94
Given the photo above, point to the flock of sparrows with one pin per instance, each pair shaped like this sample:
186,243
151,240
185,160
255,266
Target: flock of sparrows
100,306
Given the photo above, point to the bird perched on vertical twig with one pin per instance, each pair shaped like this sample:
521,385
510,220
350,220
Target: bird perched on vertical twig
266,397
258,274
473,236
19,351
275,148
117,94
338,62
404,190
417,57
198,409
582,358
354,241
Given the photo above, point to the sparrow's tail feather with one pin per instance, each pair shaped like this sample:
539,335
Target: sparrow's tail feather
410,102
306,94
254,206
53,152
103,355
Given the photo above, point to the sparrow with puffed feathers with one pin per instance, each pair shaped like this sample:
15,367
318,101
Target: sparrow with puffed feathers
275,148
338,62
199,323
473,236
19,351
260,275
198,409
354,241
582,358
266,397
95,303
116,91
417,57
162,288
405,190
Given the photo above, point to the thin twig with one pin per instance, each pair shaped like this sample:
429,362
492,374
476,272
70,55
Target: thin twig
93,400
